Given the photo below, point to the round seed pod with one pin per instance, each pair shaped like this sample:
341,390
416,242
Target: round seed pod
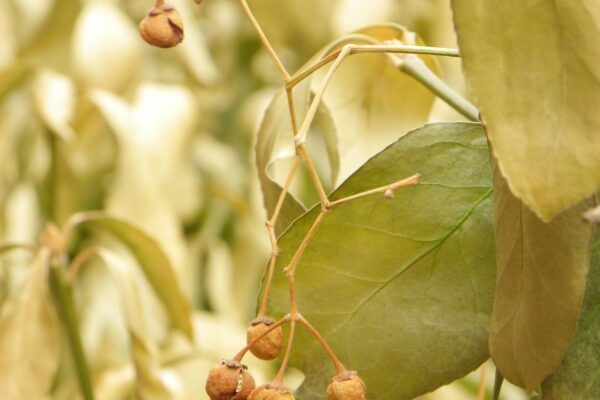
269,346
229,380
347,386
268,392
162,27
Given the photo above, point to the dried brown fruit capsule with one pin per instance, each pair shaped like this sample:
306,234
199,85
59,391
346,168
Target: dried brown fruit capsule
269,346
163,26
229,380
268,392
347,386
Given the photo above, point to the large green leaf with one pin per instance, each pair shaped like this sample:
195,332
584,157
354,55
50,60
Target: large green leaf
534,70
539,290
154,263
29,337
578,377
402,288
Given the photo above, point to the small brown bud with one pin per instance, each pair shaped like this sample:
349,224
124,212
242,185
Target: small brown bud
162,27
229,381
347,386
269,346
268,392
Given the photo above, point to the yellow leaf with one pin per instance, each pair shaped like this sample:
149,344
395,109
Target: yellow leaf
534,70
29,338
539,290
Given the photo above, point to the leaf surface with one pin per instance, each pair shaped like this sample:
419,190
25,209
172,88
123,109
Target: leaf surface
29,337
541,280
578,377
154,263
534,70
402,289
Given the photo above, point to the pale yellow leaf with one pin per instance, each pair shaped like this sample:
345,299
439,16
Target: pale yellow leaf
54,96
29,337
106,46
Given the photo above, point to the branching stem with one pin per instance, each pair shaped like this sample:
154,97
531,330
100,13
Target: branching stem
426,77
263,38
388,190
278,380
339,367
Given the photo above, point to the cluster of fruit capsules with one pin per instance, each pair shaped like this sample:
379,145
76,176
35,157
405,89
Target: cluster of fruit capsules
230,380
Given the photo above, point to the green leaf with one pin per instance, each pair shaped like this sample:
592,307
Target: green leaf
534,70
29,337
401,289
539,290
154,263
578,377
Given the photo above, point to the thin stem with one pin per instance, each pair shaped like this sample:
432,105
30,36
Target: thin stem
498,381
264,40
372,48
339,367
240,355
388,190
314,175
278,381
78,262
405,49
265,300
291,268
290,97
312,69
481,390
284,190
416,68
312,111
63,297
271,231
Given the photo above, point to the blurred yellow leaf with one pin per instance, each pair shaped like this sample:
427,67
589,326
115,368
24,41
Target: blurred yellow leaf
153,261
149,384
54,96
29,337
106,47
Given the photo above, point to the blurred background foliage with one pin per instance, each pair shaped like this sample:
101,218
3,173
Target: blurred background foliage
92,118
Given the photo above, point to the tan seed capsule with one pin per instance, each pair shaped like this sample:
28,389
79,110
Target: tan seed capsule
229,381
269,346
347,387
268,392
162,27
